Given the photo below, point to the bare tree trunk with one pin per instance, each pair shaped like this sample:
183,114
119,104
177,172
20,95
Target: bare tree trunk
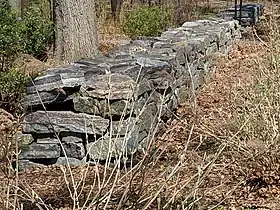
116,6
76,30
24,5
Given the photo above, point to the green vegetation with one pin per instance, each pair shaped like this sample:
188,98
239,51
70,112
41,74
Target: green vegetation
36,32
31,35
12,86
10,36
147,21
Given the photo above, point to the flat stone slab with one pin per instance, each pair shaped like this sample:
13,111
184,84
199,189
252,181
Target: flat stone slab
109,86
70,161
103,147
39,151
64,121
56,96
48,140
24,164
122,127
101,107
71,75
72,139
116,146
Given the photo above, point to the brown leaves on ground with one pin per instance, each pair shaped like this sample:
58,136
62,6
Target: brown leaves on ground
215,100
194,162
246,172
30,65
6,121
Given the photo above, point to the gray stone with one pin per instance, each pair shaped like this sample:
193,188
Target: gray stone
224,50
122,127
146,41
25,164
182,94
100,61
50,82
115,108
141,102
110,86
198,79
48,140
35,99
102,107
191,24
160,51
144,86
136,140
173,103
145,104
197,45
182,50
163,44
64,121
127,51
156,98
105,147
72,139
122,67
69,76
147,62
74,150
115,147
86,105
161,79
213,48
185,79
39,151
70,161
149,117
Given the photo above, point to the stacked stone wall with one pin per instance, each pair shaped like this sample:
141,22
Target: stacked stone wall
111,106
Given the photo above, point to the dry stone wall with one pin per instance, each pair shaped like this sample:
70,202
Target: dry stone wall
248,16
111,106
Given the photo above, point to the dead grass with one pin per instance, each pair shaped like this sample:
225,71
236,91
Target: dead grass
208,162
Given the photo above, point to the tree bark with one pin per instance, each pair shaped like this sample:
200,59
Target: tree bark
24,5
116,6
76,31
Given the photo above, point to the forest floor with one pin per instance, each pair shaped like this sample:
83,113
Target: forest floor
236,179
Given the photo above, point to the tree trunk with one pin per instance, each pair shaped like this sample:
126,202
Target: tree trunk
76,32
24,5
116,6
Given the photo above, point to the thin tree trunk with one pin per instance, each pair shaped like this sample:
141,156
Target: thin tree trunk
24,5
116,6
76,32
